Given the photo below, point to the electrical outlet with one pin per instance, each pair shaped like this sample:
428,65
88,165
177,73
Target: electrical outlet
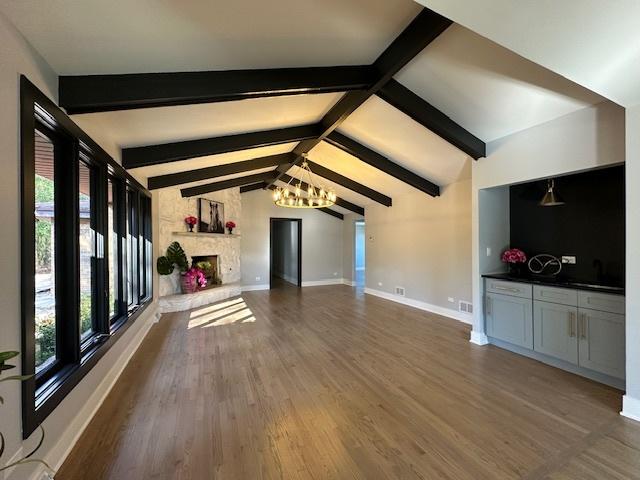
488,251
450,300
400,291
257,279
569,259
335,274
379,284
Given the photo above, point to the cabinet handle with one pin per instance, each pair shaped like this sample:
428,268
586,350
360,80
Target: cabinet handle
488,305
571,324
506,289
583,325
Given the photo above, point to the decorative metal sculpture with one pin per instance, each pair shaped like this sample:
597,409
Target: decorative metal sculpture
545,264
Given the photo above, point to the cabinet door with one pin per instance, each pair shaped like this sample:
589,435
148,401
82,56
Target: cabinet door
555,330
509,319
601,342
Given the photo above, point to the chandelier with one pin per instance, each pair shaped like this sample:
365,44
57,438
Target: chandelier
301,194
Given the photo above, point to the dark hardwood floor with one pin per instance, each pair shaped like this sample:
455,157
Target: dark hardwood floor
324,383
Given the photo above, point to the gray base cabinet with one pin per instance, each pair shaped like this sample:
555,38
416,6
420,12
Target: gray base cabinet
509,318
602,345
555,330
581,328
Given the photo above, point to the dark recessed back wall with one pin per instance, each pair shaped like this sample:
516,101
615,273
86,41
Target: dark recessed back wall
589,226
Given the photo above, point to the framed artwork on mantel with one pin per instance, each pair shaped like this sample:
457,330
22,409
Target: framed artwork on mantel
210,216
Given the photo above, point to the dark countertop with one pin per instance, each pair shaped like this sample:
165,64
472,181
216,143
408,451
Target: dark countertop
561,282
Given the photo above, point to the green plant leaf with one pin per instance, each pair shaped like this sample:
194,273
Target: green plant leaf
22,378
1,401
176,256
4,356
1,444
164,266
4,367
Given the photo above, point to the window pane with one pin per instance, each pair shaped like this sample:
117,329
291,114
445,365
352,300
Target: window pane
87,248
112,239
45,281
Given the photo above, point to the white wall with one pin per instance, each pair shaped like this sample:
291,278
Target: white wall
68,418
631,405
321,240
589,138
423,244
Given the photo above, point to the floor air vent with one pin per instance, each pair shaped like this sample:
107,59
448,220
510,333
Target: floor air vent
465,307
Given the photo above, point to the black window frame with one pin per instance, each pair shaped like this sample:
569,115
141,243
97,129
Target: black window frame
75,358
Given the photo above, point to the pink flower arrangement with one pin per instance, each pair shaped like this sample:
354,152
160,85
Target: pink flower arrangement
513,255
193,279
191,220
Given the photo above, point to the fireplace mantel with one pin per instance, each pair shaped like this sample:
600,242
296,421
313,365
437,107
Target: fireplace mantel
206,235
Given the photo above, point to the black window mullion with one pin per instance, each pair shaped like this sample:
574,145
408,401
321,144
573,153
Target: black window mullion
67,252
101,283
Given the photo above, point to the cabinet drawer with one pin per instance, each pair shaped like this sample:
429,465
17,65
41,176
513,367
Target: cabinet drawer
563,296
603,302
514,289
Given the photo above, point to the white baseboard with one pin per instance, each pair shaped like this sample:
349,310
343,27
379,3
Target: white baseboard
630,408
318,283
350,283
252,288
479,338
445,312
65,443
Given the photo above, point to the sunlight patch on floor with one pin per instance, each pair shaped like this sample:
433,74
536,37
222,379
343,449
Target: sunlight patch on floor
226,313
198,312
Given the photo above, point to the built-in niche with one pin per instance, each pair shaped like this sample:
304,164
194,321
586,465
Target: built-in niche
590,225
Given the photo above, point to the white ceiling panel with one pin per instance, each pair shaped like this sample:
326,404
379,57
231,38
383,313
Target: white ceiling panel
595,43
383,128
149,126
487,89
125,36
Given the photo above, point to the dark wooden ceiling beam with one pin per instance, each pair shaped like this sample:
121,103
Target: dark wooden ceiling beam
179,178
252,187
100,93
400,97
340,202
352,185
423,29
171,152
382,163
224,184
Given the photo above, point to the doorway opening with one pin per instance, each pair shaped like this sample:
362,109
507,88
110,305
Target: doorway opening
359,257
285,268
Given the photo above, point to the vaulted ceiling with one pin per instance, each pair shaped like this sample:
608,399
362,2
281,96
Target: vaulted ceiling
398,139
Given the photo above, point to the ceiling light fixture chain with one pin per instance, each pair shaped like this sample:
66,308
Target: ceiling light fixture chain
294,196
